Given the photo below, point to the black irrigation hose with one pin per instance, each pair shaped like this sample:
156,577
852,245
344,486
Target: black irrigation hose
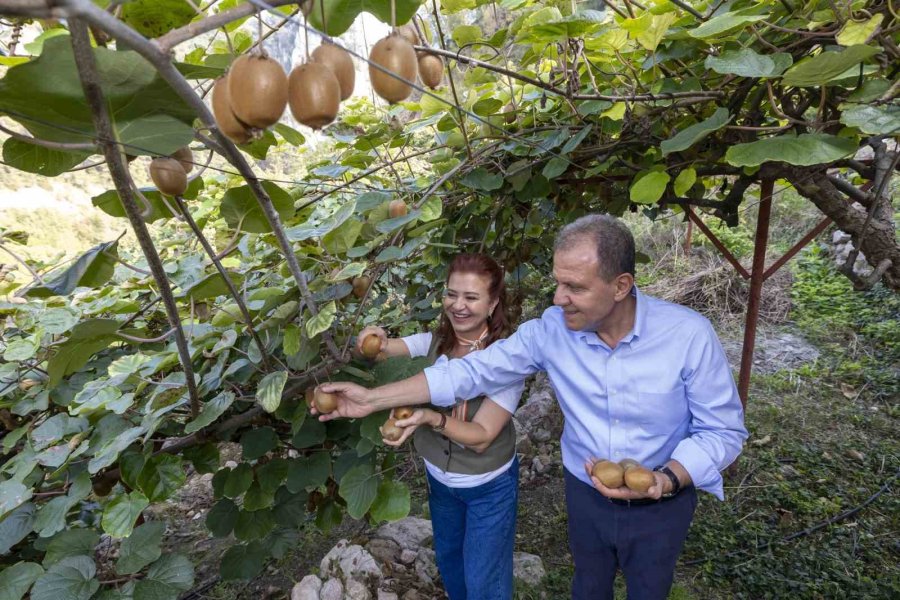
803,533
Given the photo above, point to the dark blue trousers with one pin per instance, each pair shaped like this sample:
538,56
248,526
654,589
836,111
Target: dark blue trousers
643,541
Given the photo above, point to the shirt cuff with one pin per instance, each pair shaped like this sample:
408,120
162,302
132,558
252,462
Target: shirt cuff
439,386
700,467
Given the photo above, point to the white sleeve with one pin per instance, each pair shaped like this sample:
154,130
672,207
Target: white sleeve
418,344
508,397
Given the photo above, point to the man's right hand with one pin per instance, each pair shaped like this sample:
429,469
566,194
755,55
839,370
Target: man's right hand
352,401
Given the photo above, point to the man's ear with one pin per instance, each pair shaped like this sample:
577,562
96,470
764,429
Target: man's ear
624,283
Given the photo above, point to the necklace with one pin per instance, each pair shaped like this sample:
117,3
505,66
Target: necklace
476,344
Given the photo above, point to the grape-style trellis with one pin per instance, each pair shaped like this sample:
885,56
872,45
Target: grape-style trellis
113,381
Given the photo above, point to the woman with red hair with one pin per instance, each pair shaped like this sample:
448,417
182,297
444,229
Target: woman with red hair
470,452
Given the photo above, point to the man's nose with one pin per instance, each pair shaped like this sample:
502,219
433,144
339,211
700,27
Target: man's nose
560,299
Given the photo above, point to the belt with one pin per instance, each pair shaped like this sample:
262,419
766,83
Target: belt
646,501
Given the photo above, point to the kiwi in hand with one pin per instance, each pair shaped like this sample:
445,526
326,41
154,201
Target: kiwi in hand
325,402
610,474
639,479
390,431
403,412
371,346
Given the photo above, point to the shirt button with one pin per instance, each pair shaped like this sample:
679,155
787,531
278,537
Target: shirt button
617,421
447,452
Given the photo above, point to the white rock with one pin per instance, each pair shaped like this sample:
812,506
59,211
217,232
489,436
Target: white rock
386,595
308,588
356,590
230,464
350,562
528,568
409,533
332,590
426,568
407,556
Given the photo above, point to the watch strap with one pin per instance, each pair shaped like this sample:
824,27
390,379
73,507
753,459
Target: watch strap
676,484
443,423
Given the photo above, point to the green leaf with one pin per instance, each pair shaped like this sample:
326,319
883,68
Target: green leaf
823,67
161,477
71,542
290,509
804,150
241,211
152,18
141,548
40,160
312,433
238,481
873,120
689,136
724,23
110,452
258,148
148,115
243,562
205,457
221,517
747,63
15,526
160,208
211,411
21,349
555,167
466,34
684,181
271,474
268,394
213,286
291,341
649,29
308,231
858,32
17,579
92,269
257,498
12,495
391,502
340,14
253,525
481,179
321,321
71,578
86,339
174,570
120,514
308,472
648,187
57,320
342,238
289,134
258,442
358,487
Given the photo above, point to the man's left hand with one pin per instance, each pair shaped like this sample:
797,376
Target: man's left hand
661,486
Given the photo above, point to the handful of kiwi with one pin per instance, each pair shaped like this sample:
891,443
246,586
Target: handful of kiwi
626,472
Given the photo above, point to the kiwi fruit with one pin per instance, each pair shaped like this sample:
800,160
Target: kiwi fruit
408,32
186,158
371,346
397,208
168,176
310,397
431,70
325,402
258,90
390,431
227,123
629,463
314,94
509,114
397,56
639,479
361,285
610,474
338,60
404,412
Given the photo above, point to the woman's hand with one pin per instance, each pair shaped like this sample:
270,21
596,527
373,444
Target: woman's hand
420,416
372,330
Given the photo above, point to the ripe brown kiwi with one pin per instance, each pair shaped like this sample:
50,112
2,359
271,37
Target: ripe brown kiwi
431,70
258,89
396,55
168,176
610,474
629,463
325,402
314,94
361,285
639,479
310,397
227,123
397,208
404,412
186,158
390,431
371,346
408,32
338,60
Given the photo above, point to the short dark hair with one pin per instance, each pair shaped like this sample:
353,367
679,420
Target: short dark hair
612,238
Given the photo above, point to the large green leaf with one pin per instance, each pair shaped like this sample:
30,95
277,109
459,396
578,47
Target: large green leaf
692,134
15,525
221,517
238,480
46,97
92,269
17,579
321,321
141,548
241,211
71,542
358,487
174,571
257,442
120,514
40,160
161,477
648,186
268,394
724,23
160,207
212,286
873,119
86,339
152,18
823,67
308,472
211,411
804,150
391,502
747,63
243,562
12,495
71,578
253,525
340,14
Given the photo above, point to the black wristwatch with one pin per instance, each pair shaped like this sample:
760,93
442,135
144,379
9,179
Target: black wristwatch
676,484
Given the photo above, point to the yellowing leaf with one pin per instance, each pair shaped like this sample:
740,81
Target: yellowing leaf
858,32
684,181
648,187
616,112
649,29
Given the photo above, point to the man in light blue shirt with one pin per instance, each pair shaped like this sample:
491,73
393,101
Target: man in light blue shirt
636,377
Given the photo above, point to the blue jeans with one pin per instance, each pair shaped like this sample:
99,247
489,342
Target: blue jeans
474,532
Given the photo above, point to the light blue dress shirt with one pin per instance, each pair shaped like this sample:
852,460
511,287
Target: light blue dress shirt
665,392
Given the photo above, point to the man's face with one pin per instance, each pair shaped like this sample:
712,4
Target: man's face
585,297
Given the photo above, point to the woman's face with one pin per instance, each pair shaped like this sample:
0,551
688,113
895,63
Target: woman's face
467,303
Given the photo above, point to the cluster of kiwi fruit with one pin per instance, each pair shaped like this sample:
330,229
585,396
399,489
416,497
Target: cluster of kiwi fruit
628,472
396,54
254,93
390,430
169,173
